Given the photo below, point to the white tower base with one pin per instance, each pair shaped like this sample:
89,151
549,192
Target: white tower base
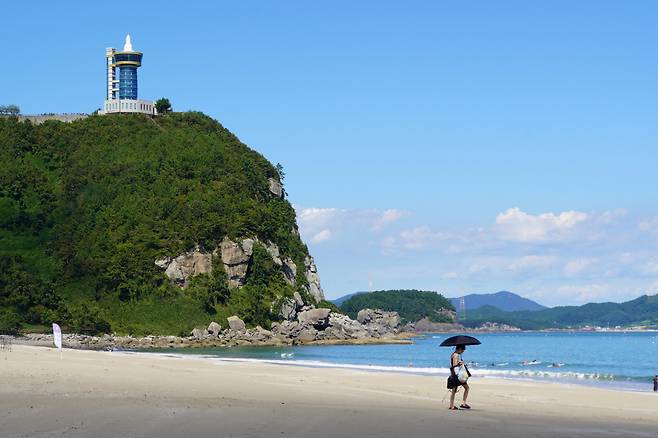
129,106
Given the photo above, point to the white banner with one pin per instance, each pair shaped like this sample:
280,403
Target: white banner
57,336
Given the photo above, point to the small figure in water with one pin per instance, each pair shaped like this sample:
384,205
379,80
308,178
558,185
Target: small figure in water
655,383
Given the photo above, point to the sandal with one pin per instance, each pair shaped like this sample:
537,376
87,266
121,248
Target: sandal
464,406
454,408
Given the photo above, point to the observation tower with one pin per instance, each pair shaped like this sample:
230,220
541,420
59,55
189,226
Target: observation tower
121,93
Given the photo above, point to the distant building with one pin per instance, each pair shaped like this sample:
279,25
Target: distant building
121,90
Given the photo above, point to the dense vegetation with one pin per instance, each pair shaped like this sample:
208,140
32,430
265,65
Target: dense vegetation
412,305
86,208
641,311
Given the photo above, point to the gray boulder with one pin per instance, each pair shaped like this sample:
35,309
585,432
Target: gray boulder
318,318
298,300
198,333
347,327
287,329
214,329
307,335
236,324
260,334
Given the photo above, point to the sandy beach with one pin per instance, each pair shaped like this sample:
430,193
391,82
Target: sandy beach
102,394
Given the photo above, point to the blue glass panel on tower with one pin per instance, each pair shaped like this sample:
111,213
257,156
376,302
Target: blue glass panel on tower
128,83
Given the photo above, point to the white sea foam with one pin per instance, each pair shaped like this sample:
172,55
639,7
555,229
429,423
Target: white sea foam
481,372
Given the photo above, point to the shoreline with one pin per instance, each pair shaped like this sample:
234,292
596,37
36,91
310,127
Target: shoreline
113,342
510,375
110,394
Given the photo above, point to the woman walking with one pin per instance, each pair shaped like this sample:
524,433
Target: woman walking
456,362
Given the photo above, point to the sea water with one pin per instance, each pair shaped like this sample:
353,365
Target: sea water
623,360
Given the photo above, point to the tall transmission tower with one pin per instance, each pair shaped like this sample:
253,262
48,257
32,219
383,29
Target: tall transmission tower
462,307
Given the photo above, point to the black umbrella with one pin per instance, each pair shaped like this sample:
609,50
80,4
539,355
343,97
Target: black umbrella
460,340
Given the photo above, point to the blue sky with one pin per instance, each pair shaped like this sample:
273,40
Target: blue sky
452,146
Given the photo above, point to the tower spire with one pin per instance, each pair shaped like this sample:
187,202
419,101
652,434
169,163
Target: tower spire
128,46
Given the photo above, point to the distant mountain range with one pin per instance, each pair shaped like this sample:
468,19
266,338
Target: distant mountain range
503,300
642,311
341,300
509,308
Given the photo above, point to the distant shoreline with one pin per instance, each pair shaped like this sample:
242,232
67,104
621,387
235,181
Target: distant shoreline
547,330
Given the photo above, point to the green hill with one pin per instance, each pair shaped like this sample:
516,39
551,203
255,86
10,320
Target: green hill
640,311
412,305
86,207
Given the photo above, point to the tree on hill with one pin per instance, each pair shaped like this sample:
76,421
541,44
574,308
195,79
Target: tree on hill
11,110
163,106
412,305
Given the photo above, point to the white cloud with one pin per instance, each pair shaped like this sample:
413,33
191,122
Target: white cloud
505,266
519,226
653,288
559,257
388,217
611,216
585,293
315,217
321,236
316,224
649,226
321,224
578,266
650,267
419,237
527,262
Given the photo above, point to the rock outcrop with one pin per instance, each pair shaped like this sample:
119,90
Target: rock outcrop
180,269
236,257
314,287
378,318
275,187
289,271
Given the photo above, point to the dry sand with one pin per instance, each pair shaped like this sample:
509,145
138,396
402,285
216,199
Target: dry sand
101,394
